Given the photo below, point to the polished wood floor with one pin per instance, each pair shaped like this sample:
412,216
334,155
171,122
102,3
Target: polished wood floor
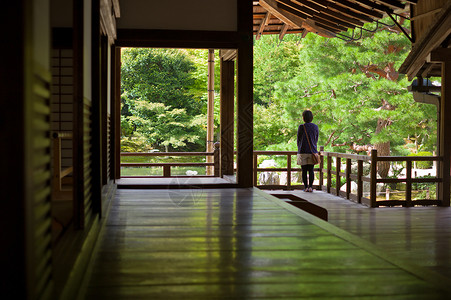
418,234
242,244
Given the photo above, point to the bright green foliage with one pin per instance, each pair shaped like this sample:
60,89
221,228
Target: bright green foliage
355,92
159,109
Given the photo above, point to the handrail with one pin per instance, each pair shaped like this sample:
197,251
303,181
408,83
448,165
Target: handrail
327,171
167,166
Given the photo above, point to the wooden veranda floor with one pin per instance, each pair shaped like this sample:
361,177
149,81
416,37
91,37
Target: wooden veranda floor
241,244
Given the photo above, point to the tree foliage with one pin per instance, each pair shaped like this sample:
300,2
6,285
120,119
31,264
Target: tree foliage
358,98
159,108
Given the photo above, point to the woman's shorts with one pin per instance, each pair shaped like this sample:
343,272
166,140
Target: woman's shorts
304,159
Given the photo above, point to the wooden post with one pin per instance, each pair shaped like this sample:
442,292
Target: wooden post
373,177
348,178
217,160
443,55
329,173
321,167
289,171
166,171
408,183
245,109
387,194
359,181
254,173
337,175
117,113
227,115
210,107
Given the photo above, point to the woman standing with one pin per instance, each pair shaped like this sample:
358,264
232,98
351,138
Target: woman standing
307,142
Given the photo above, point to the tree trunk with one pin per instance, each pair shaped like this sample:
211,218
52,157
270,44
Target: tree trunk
383,149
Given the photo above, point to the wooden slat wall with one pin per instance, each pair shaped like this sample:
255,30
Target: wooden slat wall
62,100
87,168
108,145
41,221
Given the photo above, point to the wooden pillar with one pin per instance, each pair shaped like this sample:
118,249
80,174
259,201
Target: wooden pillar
227,107
117,112
25,217
443,55
210,107
96,110
78,125
373,176
245,111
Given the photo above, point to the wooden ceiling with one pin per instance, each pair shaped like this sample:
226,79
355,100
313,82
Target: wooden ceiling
327,18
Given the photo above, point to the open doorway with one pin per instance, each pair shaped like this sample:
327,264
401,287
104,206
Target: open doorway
177,116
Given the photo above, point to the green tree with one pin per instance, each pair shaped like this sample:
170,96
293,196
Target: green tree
158,108
358,98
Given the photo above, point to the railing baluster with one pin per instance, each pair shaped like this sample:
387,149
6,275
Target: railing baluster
373,177
359,181
408,183
337,175
329,173
348,178
255,169
321,167
289,171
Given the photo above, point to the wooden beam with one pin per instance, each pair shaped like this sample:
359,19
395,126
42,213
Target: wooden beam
177,38
283,31
316,16
262,26
392,3
286,17
227,54
360,9
309,23
116,7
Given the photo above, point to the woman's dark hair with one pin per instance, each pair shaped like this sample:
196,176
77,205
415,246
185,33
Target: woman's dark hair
307,116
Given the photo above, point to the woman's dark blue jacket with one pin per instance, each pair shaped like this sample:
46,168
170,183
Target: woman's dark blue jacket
313,132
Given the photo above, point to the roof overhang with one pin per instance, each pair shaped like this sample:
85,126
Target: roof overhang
438,36
323,17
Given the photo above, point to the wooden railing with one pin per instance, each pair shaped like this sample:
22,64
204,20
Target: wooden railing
168,165
330,176
334,168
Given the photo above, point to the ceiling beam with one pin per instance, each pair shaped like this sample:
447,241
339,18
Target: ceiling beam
287,18
283,31
393,3
376,6
262,26
360,9
324,10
